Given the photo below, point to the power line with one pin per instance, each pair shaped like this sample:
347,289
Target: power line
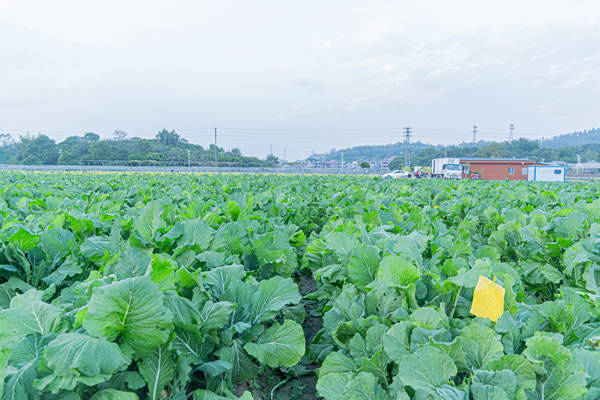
309,129
390,130
312,137
263,131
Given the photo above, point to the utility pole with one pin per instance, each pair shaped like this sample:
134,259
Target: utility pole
215,147
512,132
474,133
284,153
407,136
342,160
578,164
271,149
189,165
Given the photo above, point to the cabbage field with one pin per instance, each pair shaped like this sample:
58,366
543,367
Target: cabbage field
208,287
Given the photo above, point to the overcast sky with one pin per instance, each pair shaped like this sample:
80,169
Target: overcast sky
307,75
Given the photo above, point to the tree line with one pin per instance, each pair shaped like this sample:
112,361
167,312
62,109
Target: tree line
167,148
567,147
521,148
170,148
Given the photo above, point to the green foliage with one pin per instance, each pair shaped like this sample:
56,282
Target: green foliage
272,160
280,345
158,369
433,240
121,286
37,150
397,163
167,148
130,312
76,358
168,137
563,147
91,137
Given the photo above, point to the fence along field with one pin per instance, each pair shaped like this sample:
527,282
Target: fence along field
177,286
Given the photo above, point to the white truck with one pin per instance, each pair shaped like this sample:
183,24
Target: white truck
447,168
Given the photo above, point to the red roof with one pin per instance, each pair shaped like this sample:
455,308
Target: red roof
497,161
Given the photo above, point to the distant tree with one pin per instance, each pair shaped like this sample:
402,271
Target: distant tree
37,150
91,137
365,165
120,134
567,153
526,146
589,155
66,158
494,150
211,149
6,139
425,156
101,151
272,159
78,150
32,160
168,137
8,154
142,147
396,163
72,140
73,149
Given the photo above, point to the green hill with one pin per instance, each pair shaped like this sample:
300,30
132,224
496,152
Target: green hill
167,148
588,136
563,147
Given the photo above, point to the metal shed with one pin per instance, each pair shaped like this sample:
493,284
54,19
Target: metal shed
546,173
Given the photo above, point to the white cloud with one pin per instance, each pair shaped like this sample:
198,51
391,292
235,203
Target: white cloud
144,65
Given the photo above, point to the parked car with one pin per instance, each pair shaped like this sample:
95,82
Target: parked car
397,174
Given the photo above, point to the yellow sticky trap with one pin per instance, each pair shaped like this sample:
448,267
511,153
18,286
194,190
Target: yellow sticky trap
488,299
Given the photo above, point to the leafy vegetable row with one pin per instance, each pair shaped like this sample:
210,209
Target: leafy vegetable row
176,286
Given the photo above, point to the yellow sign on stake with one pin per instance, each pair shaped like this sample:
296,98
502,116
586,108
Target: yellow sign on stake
488,299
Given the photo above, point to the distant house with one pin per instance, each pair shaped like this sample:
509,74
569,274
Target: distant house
514,169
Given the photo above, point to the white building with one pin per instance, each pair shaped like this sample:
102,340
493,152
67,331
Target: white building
546,173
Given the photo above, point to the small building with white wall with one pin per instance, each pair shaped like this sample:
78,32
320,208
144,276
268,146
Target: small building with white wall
546,173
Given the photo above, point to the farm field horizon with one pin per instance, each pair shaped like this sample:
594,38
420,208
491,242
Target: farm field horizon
254,286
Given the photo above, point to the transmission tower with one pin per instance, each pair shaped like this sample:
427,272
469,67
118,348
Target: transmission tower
512,132
474,133
407,136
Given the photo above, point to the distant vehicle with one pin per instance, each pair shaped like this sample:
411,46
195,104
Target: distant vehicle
447,168
397,175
